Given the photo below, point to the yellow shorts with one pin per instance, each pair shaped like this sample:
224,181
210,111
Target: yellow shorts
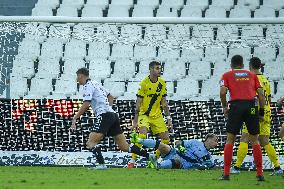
156,125
264,126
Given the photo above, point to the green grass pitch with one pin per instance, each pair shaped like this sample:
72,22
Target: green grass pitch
116,178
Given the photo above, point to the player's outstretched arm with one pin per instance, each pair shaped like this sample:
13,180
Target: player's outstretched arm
81,111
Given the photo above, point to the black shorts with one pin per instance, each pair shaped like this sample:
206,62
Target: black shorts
108,124
240,112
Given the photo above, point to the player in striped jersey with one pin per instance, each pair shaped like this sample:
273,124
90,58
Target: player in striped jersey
265,124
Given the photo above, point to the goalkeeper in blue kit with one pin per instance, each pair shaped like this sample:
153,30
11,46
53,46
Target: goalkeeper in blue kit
188,154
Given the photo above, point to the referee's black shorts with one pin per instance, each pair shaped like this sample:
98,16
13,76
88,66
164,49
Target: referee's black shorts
108,124
243,111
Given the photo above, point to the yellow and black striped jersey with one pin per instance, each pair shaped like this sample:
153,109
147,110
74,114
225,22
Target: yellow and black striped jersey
152,94
266,89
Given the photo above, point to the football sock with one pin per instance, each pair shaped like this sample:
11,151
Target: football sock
139,151
257,155
97,152
272,155
241,154
228,156
133,155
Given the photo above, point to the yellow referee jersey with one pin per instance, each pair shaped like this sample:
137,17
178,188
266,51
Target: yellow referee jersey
152,94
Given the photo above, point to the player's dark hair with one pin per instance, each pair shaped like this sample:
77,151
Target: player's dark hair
83,71
209,135
154,63
237,61
255,63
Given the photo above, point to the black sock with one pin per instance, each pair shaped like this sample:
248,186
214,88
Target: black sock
139,151
97,152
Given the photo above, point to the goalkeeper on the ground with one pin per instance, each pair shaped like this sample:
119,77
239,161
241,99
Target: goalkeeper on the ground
188,154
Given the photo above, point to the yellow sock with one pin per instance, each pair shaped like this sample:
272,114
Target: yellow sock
241,154
143,136
272,154
158,153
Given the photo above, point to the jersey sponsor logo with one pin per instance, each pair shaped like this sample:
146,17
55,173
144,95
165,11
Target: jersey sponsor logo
241,74
221,82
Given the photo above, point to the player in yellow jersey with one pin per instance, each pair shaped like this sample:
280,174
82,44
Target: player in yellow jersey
254,66
148,115
281,133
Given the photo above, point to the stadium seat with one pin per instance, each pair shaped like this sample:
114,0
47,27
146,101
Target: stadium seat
165,54
118,11
148,3
144,52
127,3
211,88
116,89
142,11
227,5
60,32
199,70
52,48
92,11
244,52
251,4
18,86
131,33
192,54
100,68
48,4
167,11
38,32
40,88
221,67
202,3
44,66
266,54
124,69
155,33
192,11
264,12
98,3
210,54
107,32
72,65
275,4
75,49
23,67
281,13
201,33
240,12
65,86
67,11
252,35
121,51
215,12
74,3
186,88
174,70
228,33
42,11
98,49
178,34
177,4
